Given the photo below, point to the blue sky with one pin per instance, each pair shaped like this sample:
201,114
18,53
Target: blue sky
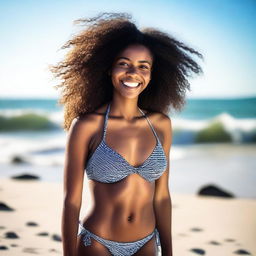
223,31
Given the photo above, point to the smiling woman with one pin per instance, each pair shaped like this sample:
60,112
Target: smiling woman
118,83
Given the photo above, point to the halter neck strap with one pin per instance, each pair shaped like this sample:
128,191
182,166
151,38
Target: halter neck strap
106,122
152,128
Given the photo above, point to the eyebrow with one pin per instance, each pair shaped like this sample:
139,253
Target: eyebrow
140,61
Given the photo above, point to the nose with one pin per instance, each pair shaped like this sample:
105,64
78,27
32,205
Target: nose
131,70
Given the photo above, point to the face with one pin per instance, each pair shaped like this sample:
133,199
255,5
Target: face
131,70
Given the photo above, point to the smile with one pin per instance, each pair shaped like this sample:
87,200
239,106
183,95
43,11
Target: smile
131,84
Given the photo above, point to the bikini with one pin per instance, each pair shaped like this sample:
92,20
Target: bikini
107,166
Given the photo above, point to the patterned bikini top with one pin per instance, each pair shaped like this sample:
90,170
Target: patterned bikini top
108,166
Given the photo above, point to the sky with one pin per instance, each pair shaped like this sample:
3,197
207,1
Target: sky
32,33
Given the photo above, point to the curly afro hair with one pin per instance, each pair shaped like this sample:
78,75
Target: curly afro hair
85,82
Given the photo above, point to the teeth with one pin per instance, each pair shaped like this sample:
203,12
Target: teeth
131,84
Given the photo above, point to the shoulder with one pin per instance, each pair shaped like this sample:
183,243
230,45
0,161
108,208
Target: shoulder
88,123
163,125
161,121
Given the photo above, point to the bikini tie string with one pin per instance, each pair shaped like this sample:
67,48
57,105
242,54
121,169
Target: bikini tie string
86,237
157,238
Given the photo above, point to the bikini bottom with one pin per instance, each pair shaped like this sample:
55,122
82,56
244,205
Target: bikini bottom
117,248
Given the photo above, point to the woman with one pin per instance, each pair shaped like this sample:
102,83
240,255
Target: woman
118,83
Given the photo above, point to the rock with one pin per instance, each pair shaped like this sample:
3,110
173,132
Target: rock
242,252
56,237
11,235
5,207
3,247
214,243
25,176
43,234
215,132
31,223
212,190
196,229
198,251
17,160
230,240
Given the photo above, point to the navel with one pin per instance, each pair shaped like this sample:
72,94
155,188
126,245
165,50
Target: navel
130,218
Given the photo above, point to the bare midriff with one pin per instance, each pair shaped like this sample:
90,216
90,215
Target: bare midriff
121,211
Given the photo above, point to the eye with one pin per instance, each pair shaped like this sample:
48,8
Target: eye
123,64
144,67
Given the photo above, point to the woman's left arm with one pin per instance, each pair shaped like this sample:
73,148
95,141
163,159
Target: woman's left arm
162,198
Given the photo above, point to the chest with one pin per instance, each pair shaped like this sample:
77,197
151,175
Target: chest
135,143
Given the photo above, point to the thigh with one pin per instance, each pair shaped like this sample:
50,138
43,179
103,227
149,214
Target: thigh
149,248
96,248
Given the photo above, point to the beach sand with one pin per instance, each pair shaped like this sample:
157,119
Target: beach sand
219,227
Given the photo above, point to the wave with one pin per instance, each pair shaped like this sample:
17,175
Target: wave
44,149
222,128
29,120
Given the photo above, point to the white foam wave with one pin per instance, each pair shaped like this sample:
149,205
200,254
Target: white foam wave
229,122
33,150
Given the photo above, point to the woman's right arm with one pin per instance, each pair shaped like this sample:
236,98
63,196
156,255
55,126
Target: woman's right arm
75,156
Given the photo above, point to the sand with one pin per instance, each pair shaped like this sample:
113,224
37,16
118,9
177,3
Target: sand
214,226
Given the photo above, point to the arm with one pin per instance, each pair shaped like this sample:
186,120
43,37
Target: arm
162,199
76,151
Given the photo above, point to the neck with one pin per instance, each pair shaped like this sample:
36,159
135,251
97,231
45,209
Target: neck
126,109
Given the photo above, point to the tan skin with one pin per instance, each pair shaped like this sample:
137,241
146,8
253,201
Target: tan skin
129,209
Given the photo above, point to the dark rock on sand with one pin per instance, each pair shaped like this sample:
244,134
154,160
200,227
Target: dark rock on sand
212,190
31,223
11,235
196,229
198,251
25,176
14,245
5,207
242,252
3,247
43,234
56,237
17,160
2,227
214,243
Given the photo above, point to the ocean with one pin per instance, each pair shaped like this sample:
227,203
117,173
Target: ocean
31,138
